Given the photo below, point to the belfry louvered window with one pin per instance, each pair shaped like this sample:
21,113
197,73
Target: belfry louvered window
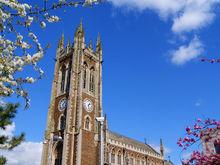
84,75
63,78
87,123
92,80
84,78
62,122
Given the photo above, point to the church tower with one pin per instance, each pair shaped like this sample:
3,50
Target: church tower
72,135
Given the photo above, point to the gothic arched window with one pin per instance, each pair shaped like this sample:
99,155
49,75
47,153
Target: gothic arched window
113,157
84,75
119,158
62,122
92,80
107,156
63,77
131,161
87,123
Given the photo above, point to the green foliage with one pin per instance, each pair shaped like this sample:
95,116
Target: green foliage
2,160
7,113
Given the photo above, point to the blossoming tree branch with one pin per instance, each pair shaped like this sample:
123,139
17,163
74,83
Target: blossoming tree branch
18,50
205,131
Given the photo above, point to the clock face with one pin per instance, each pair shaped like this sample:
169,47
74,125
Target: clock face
62,104
88,105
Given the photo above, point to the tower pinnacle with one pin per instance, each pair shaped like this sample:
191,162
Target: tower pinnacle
79,39
68,46
161,147
79,29
81,25
98,44
98,39
61,42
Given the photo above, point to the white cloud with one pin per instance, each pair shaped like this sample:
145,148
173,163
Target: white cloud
163,7
198,103
195,15
186,53
2,103
25,154
186,16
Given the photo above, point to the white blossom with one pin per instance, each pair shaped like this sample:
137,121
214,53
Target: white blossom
17,52
43,24
37,56
27,58
30,79
41,71
29,21
53,18
25,45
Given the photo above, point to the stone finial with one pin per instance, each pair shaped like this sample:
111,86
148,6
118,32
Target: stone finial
79,29
98,40
68,46
90,45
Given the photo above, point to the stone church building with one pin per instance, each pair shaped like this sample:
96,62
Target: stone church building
72,135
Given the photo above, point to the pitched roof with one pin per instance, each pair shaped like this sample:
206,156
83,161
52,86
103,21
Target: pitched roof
118,137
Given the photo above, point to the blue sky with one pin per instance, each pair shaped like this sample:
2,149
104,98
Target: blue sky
154,84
